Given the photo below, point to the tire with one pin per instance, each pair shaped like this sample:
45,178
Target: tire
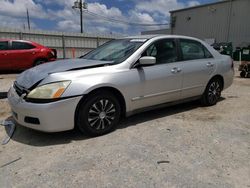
39,62
99,114
212,93
242,74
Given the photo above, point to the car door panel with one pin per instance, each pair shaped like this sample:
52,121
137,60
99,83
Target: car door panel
159,84
4,60
197,70
195,76
20,57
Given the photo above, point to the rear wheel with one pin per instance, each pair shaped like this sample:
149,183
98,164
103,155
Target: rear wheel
243,74
99,114
212,92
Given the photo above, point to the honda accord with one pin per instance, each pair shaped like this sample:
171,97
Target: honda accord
120,78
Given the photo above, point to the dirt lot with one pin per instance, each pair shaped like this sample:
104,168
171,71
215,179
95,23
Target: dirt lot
181,146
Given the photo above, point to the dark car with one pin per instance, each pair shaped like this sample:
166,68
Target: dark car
21,54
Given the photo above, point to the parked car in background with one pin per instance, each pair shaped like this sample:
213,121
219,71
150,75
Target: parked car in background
21,54
120,78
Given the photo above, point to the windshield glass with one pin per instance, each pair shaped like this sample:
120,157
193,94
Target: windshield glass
115,50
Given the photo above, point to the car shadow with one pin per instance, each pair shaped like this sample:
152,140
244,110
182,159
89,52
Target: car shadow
3,95
161,112
39,139
11,71
241,77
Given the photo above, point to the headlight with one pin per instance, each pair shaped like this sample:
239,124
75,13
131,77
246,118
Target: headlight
49,91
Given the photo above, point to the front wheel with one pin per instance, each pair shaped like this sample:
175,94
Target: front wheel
212,93
99,114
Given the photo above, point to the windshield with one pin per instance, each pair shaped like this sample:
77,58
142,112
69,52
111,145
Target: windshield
115,50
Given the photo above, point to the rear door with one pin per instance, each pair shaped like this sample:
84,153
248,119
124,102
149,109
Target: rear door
198,65
21,54
4,56
159,83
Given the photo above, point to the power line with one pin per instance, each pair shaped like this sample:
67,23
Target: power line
123,21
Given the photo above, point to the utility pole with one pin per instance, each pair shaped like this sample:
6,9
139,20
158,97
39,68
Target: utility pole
82,6
28,18
229,19
81,16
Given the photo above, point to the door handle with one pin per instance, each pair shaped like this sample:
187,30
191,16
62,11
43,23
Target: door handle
175,70
178,70
5,54
209,64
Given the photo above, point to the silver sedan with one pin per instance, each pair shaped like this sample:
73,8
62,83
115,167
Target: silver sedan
120,78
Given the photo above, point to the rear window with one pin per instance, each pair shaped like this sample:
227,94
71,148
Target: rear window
21,46
192,50
3,45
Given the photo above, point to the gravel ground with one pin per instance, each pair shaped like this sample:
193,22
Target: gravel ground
180,146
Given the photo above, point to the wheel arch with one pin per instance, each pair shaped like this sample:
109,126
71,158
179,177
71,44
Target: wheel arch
204,98
220,78
113,90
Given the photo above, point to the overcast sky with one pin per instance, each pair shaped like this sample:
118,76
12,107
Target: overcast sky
58,14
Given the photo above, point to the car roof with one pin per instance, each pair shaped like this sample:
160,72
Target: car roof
26,41
160,36
141,37
18,40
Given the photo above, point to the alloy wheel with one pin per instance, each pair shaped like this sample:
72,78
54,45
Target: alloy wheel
101,114
214,92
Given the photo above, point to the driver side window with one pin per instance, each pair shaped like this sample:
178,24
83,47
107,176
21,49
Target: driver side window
151,51
164,51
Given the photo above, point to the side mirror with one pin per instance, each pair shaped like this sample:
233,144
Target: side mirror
147,60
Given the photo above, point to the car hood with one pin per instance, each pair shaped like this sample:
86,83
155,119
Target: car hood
30,77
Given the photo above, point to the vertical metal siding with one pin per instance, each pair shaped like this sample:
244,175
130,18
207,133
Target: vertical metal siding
203,22
240,22
213,21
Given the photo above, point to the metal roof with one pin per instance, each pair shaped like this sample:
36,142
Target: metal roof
200,6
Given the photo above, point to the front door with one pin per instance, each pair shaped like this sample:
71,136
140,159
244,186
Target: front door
159,83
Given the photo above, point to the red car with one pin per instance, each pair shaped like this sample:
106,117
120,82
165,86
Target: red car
21,54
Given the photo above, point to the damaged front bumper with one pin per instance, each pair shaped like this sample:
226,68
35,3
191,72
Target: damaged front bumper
47,117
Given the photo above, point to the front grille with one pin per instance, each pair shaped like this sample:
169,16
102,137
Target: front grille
19,89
